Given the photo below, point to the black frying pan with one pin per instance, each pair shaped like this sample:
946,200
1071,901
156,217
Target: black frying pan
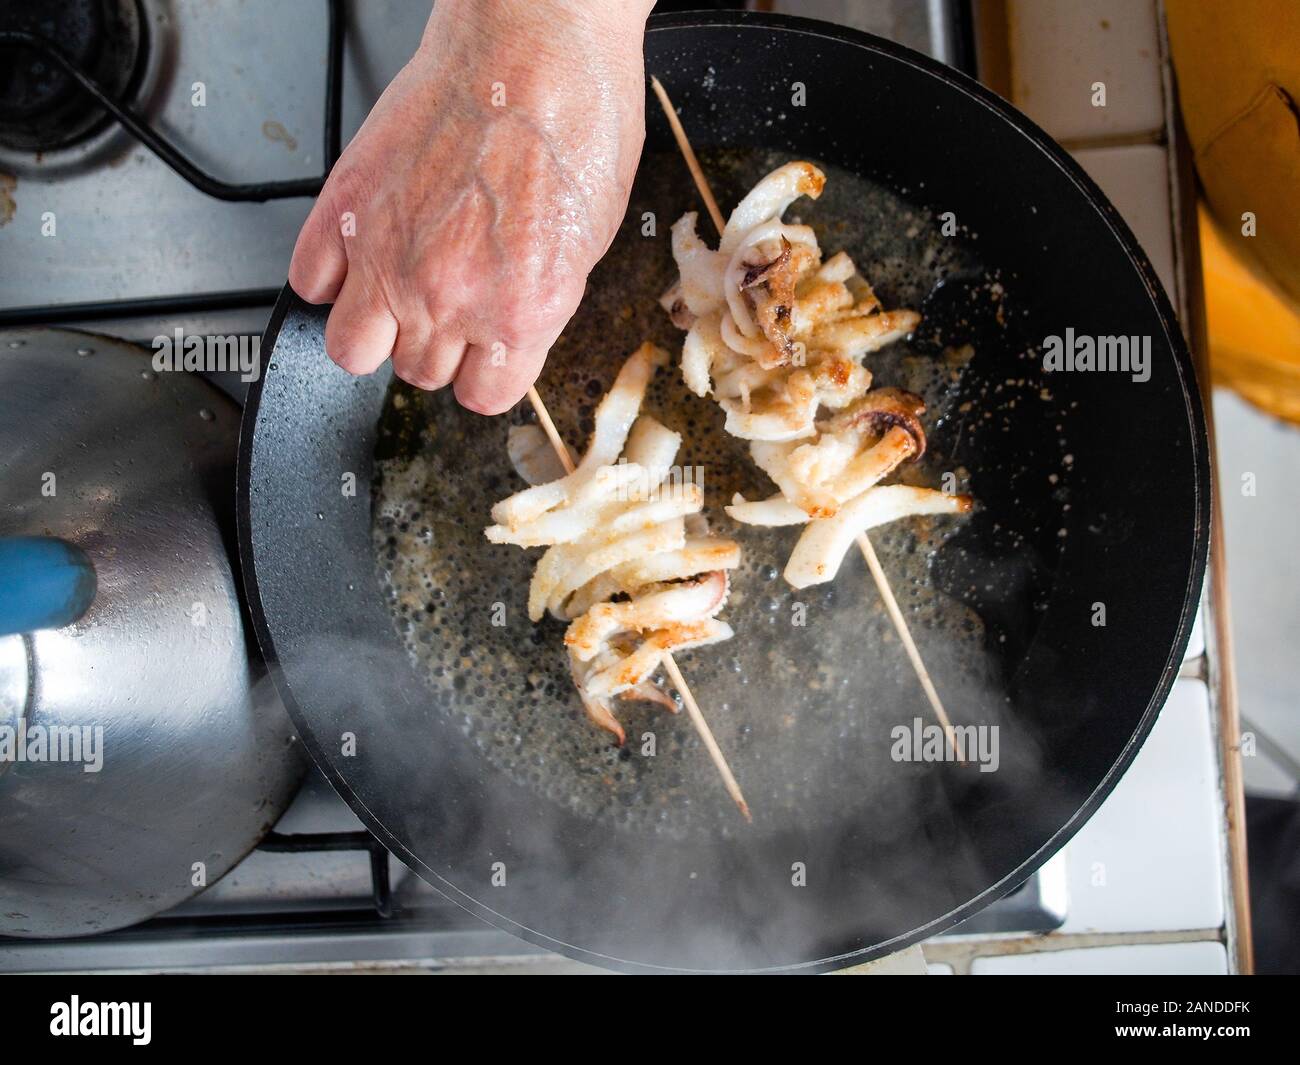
1093,490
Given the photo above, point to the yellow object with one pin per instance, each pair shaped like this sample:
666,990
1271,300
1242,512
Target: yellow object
1238,67
1254,333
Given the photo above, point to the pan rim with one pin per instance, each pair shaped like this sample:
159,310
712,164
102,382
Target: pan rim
1192,401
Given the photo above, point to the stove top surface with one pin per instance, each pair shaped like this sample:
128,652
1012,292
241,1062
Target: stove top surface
114,240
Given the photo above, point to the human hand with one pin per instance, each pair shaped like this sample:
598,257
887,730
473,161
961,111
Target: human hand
456,231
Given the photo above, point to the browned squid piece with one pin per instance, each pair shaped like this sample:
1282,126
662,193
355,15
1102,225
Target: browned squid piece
779,337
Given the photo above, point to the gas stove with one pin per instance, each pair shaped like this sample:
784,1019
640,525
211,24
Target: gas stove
321,892
179,210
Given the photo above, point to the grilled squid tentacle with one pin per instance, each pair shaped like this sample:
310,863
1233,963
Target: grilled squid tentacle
775,510
702,351
880,410
817,556
769,199
701,268
649,655
671,605
794,331
749,257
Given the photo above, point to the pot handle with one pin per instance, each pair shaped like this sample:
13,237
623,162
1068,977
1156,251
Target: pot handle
45,583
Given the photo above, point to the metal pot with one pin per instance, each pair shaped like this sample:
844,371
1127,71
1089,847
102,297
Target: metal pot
172,762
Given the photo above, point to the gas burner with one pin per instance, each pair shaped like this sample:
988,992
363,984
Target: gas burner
41,105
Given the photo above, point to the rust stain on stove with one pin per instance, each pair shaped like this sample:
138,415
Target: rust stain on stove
8,205
274,131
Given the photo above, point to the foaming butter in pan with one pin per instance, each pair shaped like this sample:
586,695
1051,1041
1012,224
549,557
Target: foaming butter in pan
803,699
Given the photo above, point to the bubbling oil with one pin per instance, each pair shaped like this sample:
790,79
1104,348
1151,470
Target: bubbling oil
803,699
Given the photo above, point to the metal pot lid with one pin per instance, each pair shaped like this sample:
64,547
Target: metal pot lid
184,760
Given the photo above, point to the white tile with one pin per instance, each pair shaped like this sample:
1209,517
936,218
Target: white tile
1258,457
1054,885
1150,858
1061,48
938,968
1136,180
1147,959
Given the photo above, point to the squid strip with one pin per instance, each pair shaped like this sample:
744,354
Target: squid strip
619,564
817,556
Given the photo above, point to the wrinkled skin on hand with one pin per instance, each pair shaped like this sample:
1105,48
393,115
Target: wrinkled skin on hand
486,183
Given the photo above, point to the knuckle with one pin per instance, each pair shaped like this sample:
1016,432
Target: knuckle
347,190
521,327
307,273
350,348
518,314
420,375
441,302
541,308
484,402
305,285
346,359
508,335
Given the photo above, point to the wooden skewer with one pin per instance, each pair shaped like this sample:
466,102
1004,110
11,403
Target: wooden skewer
864,544
693,710
905,635
706,734
692,164
548,427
